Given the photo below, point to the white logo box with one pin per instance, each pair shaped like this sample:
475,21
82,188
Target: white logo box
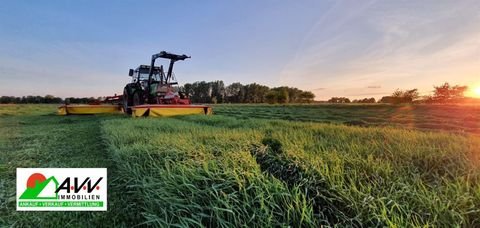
79,189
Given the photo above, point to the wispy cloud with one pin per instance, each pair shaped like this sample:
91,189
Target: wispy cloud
366,94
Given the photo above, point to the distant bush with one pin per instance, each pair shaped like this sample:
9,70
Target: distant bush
400,96
447,94
339,100
394,100
48,99
365,100
444,93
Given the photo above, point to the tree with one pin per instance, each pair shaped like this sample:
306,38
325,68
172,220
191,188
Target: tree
254,93
201,92
306,97
446,93
401,96
188,89
411,95
294,94
50,99
364,100
233,92
339,100
271,97
389,99
218,91
282,94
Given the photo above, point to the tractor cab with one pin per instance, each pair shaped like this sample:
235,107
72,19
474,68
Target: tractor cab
140,76
142,72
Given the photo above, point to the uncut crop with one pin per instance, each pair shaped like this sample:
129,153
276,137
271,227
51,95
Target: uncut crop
223,171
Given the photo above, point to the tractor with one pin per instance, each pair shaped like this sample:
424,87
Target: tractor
150,84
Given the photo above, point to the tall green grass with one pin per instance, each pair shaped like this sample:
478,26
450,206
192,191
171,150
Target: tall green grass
452,118
223,171
185,174
384,176
36,138
240,171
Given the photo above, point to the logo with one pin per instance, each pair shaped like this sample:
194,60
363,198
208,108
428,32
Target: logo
61,189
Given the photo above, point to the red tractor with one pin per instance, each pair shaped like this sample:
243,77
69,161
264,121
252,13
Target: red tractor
151,85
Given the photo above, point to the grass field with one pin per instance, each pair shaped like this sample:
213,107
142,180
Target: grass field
451,118
257,165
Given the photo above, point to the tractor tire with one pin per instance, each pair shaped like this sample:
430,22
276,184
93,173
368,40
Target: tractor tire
127,102
137,98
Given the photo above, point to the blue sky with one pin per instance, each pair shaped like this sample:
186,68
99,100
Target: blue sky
333,48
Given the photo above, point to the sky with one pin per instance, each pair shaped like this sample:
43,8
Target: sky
352,48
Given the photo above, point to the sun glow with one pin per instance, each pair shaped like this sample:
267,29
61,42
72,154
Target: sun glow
476,91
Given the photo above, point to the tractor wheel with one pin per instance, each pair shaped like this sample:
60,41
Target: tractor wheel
127,102
137,99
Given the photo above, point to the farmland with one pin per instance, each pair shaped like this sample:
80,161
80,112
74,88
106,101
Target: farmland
451,118
258,165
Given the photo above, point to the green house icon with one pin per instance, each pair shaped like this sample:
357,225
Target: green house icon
42,190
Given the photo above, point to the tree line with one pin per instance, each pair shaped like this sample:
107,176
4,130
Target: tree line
444,93
347,100
217,92
48,99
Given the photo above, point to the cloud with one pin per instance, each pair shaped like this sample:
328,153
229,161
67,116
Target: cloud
374,87
367,94
320,89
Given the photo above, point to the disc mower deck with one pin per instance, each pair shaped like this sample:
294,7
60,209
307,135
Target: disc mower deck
88,109
157,110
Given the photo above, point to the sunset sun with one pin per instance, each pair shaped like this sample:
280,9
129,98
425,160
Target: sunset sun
476,91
